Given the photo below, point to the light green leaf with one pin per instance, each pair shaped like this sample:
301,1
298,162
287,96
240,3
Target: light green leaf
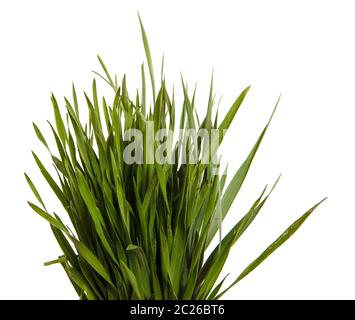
275,245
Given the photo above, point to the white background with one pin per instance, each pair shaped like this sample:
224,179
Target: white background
302,49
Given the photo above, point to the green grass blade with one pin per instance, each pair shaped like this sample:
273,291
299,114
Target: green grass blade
53,221
275,245
109,79
80,281
40,136
34,190
92,260
148,56
232,112
132,279
239,177
59,121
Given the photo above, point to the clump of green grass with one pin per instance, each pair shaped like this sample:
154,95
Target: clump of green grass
140,230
